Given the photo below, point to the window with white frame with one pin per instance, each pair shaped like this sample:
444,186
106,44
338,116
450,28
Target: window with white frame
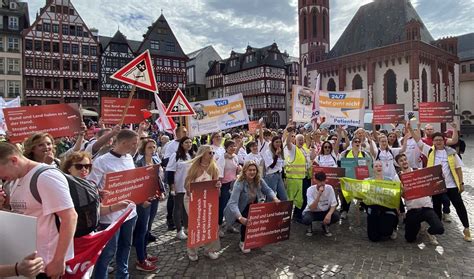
13,23
190,74
13,65
155,44
13,88
13,44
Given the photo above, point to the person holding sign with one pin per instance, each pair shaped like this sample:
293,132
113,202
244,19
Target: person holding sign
274,160
418,210
176,170
202,168
249,188
382,222
440,154
30,266
117,159
321,205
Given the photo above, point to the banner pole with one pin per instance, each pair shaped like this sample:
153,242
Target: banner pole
130,96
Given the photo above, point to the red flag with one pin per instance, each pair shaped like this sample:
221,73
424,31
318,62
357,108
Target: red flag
146,113
88,248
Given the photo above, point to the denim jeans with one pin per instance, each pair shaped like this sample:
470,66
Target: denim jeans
153,211
275,182
141,231
119,246
224,199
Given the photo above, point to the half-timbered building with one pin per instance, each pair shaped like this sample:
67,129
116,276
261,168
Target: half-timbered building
169,60
61,58
260,75
116,52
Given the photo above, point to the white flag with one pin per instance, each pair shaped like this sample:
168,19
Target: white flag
315,99
164,123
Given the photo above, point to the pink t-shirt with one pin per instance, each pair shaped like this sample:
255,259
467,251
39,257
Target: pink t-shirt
230,169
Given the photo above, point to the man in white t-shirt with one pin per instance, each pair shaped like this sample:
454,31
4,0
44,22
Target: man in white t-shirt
54,245
321,205
118,159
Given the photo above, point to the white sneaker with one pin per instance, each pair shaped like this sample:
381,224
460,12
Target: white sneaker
181,235
213,255
394,235
193,258
432,239
241,246
309,231
447,218
344,215
221,232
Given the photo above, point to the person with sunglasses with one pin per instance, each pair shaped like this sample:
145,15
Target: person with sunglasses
327,157
274,160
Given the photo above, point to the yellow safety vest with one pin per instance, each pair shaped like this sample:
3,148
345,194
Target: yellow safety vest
350,154
297,168
451,163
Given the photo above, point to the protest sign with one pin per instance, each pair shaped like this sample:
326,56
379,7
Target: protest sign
343,108
111,110
361,172
423,182
203,225
88,248
17,237
350,165
372,192
253,126
332,175
436,112
389,114
302,103
268,223
136,185
217,114
59,120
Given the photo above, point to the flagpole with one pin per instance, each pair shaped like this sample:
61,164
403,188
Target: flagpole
130,96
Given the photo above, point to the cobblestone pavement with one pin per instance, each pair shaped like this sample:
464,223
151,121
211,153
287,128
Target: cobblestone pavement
347,254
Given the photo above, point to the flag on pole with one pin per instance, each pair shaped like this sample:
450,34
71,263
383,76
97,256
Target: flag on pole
164,123
315,100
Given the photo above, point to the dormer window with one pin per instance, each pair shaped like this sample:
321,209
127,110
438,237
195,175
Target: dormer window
13,6
233,62
249,58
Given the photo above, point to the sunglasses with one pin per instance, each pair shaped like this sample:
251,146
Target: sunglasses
212,152
327,147
81,166
356,141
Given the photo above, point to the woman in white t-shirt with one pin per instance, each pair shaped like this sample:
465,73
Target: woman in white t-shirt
216,144
326,157
202,168
177,169
255,156
387,155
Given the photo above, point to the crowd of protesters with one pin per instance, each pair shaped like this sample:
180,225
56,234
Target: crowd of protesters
270,165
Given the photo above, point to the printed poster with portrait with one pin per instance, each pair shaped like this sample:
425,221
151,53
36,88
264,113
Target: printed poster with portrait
302,104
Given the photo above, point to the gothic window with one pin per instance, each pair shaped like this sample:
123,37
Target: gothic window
325,24
424,86
331,86
405,86
276,118
390,87
357,82
315,24
305,27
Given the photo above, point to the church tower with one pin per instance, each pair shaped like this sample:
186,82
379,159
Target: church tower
313,23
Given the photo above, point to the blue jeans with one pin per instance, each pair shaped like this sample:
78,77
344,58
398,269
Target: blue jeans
141,231
275,182
119,245
153,211
224,199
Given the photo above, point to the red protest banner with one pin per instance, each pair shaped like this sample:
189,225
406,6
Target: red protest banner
268,223
423,182
59,120
362,172
436,112
332,175
203,221
136,185
112,109
388,114
253,126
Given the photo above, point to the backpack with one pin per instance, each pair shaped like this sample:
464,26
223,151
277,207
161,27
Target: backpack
85,197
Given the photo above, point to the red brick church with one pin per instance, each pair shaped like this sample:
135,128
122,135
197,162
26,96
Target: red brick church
386,49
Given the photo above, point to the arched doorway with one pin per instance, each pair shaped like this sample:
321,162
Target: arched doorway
331,85
424,86
357,82
390,87
276,119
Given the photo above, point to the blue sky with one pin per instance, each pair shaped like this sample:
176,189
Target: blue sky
232,24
